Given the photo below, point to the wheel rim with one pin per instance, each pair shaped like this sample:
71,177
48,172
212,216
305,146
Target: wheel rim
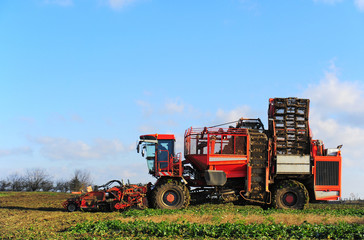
170,198
71,207
289,199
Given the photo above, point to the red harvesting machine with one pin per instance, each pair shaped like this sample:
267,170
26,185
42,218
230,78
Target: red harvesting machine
280,167
111,196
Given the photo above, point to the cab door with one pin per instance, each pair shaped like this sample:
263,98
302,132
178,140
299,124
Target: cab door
165,154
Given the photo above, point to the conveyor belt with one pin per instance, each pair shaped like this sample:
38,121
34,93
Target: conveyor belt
258,162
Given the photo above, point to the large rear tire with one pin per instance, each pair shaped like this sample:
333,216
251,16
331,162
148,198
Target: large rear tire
290,194
170,195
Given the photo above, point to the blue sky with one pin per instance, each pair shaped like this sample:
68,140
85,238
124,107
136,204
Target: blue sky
82,79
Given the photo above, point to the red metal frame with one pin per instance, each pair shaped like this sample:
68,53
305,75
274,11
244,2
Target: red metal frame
234,165
328,188
317,155
127,196
249,169
174,168
159,136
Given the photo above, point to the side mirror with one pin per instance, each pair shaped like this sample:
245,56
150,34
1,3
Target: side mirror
143,151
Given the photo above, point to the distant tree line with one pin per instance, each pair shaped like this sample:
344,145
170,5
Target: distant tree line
39,180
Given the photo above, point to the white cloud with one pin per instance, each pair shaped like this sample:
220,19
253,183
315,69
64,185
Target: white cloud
77,118
334,133
223,116
174,116
15,151
118,4
153,126
63,3
60,118
146,129
27,120
333,102
331,2
180,143
147,93
359,5
336,113
65,149
333,95
146,107
172,107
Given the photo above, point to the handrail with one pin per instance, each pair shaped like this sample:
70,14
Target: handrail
172,162
214,130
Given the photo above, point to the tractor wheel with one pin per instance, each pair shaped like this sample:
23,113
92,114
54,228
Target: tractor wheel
290,194
170,195
71,207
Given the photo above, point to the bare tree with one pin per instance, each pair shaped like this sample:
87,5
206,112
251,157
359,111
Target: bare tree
62,186
17,182
4,184
47,186
354,196
80,180
35,179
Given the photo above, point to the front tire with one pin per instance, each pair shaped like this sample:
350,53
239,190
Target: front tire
71,207
170,195
290,194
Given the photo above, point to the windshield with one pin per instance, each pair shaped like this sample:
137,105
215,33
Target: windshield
150,155
150,150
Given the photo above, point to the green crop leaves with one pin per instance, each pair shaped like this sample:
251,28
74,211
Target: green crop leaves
218,209
226,230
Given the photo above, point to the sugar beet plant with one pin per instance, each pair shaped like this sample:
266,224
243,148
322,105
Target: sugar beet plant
213,209
227,230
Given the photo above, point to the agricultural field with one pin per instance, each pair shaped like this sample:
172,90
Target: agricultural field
39,215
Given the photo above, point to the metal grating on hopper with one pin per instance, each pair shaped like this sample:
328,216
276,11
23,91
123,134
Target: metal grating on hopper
327,173
289,124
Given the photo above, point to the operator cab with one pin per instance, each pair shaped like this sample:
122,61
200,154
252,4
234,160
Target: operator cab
158,149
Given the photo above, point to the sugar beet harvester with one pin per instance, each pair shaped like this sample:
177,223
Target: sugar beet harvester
282,167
